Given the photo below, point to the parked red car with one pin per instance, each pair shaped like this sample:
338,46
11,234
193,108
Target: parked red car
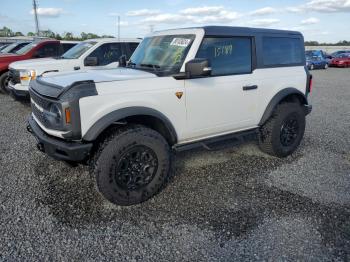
37,49
341,60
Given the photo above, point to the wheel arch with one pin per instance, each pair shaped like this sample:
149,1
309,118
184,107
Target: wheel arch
289,94
134,115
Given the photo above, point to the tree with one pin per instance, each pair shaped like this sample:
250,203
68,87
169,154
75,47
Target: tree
5,31
30,34
18,34
58,37
68,36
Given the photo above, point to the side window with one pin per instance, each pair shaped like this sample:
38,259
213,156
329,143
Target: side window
227,56
282,51
48,50
107,53
132,47
67,46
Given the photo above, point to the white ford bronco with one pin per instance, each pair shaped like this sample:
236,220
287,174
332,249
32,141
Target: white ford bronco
180,89
92,54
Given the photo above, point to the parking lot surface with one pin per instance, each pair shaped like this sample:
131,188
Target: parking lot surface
233,204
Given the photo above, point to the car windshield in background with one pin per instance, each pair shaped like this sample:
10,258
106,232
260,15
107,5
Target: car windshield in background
9,48
78,50
26,48
343,55
162,54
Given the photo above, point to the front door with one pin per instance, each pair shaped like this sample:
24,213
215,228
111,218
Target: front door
226,100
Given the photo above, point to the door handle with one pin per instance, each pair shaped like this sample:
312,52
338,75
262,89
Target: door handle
247,88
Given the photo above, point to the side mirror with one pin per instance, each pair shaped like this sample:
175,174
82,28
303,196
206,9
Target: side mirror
91,61
197,67
122,61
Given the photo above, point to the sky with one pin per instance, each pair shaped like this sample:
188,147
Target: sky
319,20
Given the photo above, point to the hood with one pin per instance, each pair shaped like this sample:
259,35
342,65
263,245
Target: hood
43,64
97,75
55,84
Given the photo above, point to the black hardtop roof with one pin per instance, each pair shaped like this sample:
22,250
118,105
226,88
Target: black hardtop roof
233,30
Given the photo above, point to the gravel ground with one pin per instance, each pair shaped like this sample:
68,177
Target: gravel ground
234,204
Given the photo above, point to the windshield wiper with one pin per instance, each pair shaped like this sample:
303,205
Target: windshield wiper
155,67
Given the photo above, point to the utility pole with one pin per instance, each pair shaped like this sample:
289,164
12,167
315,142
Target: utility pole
118,27
35,6
151,28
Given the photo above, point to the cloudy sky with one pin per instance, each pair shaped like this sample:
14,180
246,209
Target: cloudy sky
320,20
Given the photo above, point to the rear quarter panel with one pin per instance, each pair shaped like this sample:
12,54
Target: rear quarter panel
273,80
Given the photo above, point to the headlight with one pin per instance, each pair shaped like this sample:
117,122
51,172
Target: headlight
54,115
27,75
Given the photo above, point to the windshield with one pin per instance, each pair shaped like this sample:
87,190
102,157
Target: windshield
26,48
343,55
78,50
162,55
9,48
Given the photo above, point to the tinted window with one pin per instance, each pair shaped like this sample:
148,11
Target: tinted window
107,53
133,46
227,55
282,51
48,50
67,46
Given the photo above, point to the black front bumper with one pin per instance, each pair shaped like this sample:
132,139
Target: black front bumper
58,148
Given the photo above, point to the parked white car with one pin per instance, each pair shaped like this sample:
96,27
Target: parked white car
180,89
92,54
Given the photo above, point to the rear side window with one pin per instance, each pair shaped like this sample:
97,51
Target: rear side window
227,56
282,51
48,50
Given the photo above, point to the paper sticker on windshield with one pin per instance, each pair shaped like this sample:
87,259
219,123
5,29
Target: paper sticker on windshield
183,42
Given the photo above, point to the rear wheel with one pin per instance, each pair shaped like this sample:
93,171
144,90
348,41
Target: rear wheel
281,135
132,165
4,80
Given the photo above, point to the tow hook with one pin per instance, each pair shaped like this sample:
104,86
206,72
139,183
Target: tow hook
40,147
29,129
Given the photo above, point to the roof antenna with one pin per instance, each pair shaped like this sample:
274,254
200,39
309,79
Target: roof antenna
35,6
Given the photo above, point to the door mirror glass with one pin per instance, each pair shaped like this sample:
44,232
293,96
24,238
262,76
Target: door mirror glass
197,67
91,61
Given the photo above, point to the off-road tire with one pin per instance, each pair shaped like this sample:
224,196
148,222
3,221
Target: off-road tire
3,82
105,164
270,140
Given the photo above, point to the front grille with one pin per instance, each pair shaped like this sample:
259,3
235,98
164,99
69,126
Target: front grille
14,76
41,102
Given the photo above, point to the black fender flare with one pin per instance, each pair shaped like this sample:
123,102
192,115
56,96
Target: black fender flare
115,116
278,98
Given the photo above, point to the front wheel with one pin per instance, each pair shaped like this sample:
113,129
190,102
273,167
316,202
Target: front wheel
281,135
4,80
132,165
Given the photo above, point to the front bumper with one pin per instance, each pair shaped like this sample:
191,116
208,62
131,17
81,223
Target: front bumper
18,91
58,148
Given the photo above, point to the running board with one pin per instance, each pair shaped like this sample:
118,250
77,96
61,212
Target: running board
220,142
